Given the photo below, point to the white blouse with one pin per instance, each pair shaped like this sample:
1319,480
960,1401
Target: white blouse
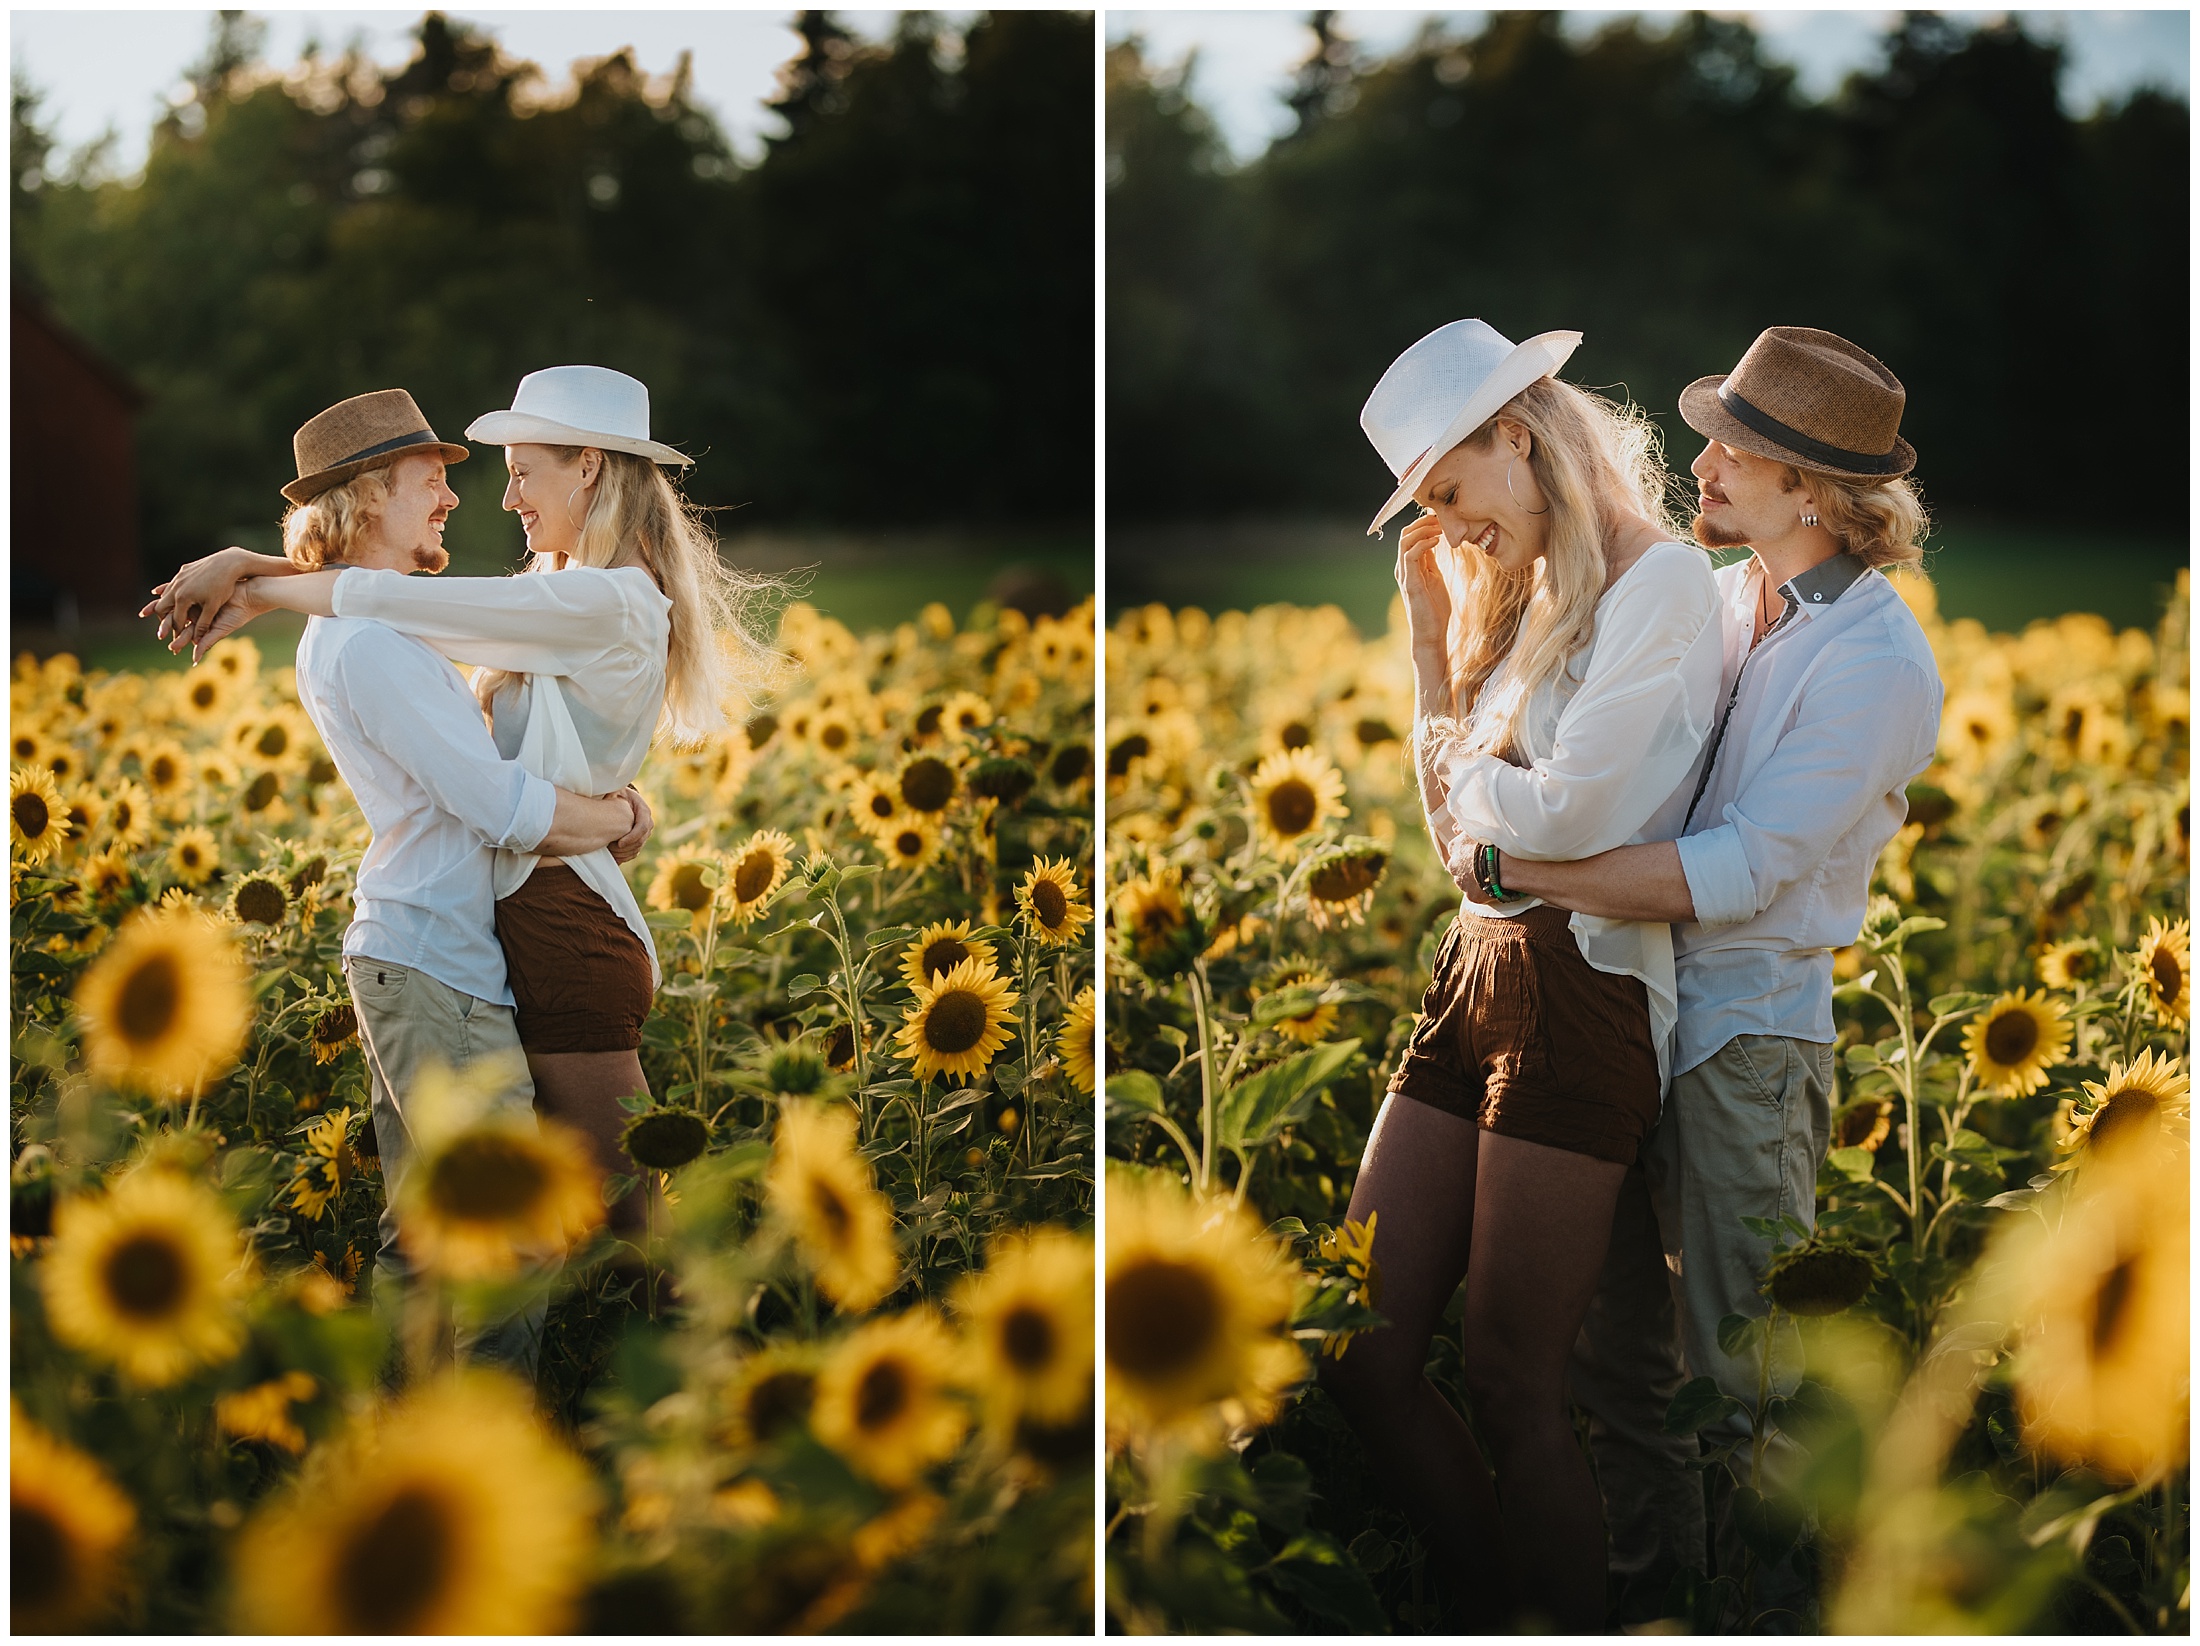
588,646
1608,743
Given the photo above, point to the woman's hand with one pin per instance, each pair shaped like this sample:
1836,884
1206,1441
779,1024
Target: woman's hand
1421,582
627,845
240,609
198,590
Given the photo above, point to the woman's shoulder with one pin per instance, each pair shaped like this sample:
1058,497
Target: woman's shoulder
1666,576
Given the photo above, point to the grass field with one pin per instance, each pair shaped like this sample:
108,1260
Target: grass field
2002,575
867,582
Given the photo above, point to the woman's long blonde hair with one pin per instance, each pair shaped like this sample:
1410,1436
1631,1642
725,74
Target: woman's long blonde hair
1600,466
719,657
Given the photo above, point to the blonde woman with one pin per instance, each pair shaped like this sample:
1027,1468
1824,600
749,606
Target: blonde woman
625,623
1567,662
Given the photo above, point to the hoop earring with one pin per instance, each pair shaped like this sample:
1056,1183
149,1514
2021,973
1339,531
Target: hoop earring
1810,517
1509,492
569,496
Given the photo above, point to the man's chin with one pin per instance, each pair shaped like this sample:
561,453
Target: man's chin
430,558
1712,535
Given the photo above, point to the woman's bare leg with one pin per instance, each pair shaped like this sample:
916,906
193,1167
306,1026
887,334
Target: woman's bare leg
582,1090
1417,1180
1542,1220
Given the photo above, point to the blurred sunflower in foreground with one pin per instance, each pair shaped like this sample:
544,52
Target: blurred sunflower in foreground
164,1006
884,1398
1029,1317
822,1190
69,1530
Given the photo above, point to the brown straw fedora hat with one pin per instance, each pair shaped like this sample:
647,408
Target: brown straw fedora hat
358,433
1808,398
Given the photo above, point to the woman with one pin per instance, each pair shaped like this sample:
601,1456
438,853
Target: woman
617,629
1566,661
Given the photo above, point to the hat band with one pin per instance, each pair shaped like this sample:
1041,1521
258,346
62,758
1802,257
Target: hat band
1797,441
424,437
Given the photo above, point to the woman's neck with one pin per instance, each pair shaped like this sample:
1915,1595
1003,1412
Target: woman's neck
1626,542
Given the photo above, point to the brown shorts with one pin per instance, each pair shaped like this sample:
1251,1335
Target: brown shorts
579,975
1523,1036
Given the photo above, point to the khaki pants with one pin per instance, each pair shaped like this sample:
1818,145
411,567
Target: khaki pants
409,1021
1742,1135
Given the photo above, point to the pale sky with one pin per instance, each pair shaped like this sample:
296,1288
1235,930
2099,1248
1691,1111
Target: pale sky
1246,57
101,69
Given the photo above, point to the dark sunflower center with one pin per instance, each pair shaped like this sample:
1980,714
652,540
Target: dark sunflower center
759,730
336,1025
927,784
2128,1113
688,890
31,813
778,1401
1070,764
1296,734
1823,1283
1345,879
1371,732
204,695
2169,975
841,1049
125,816
882,1394
752,876
261,902
1162,1318
486,1179
2011,1038
1048,903
880,805
273,742
955,1023
25,747
1134,747
390,1571
38,1558
909,843
943,954
1291,807
145,1010
835,736
145,1277
2111,1304
928,720
261,794
1028,1338
833,1211
163,772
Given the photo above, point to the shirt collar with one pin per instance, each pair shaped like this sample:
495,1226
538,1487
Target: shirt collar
1813,591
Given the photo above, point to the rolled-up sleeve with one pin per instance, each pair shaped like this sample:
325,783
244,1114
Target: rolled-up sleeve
531,624
1853,742
412,707
1623,743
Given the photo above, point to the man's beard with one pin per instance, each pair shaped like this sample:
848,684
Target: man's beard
427,557
1714,537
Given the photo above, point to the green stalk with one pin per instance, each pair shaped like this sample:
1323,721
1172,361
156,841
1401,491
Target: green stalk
1198,976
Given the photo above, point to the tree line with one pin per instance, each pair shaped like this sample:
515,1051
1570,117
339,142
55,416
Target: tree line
885,321
1669,192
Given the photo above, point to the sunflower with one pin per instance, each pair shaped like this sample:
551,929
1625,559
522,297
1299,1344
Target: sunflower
1071,766
167,773
280,740
939,949
259,899
755,870
262,1412
834,733
1029,1324
926,784
84,808
334,1028
496,1193
2133,1106
326,1170
2015,1041
874,806
1976,727
451,1513
1820,1276
1048,897
218,774
912,843
883,1398
165,1006
193,856
107,874
2164,960
2102,1304
1341,882
965,714
1074,1044
688,881
1155,928
236,658
129,817
664,1140
1294,792
69,1525
2072,965
37,821
821,1189
147,1276
957,1022
1308,1027
203,697
1864,1124
771,1394
27,747
1198,1300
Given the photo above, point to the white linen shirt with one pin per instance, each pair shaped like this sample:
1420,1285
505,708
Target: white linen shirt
407,737
1607,741
589,645
1833,715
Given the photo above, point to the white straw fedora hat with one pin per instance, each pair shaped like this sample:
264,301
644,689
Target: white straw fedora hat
1444,388
577,406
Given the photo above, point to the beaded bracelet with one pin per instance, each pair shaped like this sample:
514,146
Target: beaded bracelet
1485,873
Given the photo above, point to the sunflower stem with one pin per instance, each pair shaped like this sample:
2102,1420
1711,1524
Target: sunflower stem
1198,977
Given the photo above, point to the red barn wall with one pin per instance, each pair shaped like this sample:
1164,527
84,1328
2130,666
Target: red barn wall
73,505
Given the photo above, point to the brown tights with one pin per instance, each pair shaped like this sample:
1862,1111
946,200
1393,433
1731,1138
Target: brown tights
581,1090
1526,1225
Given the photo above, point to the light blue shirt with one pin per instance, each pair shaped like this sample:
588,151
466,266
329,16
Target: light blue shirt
1831,717
407,735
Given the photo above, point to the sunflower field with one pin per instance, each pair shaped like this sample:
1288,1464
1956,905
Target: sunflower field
836,1370
1981,1350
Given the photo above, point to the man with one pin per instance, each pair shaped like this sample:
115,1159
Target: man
421,955
1831,706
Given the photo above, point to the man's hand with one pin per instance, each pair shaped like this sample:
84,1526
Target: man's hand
187,602
624,849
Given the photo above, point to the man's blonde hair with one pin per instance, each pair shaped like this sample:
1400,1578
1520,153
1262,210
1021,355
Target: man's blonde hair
1882,522
325,529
